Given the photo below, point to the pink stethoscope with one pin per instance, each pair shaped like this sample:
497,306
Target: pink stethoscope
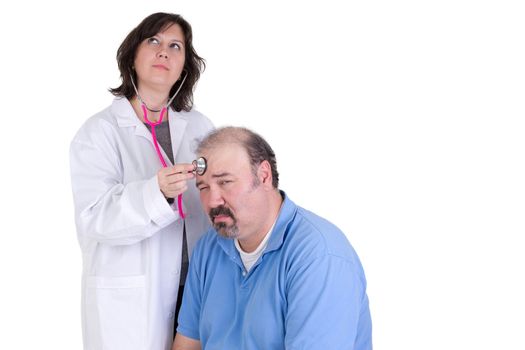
199,164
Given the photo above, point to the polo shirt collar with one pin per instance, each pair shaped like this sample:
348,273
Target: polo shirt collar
286,215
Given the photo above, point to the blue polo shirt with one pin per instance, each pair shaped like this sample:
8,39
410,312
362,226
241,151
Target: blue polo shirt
306,291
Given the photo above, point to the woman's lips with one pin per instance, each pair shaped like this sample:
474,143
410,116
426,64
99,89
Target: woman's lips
160,66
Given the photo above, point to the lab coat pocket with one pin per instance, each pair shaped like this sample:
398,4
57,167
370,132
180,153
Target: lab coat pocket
116,312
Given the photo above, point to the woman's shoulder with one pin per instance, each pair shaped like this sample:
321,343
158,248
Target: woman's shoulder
98,124
197,123
196,117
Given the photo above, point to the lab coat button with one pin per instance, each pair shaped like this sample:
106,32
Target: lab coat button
171,315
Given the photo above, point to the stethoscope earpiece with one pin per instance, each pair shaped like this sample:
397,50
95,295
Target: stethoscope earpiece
200,165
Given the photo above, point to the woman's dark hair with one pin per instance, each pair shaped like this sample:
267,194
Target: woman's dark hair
149,27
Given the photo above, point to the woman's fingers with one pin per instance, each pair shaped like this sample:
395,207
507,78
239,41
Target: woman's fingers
172,180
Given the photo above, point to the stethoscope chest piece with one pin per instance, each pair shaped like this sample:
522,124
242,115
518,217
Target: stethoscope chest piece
200,165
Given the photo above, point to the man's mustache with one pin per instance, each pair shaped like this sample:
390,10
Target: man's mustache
220,210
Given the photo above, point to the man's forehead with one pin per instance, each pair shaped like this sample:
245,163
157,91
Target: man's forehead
224,152
226,159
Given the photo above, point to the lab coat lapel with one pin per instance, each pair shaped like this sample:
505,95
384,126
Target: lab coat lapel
178,124
142,131
126,117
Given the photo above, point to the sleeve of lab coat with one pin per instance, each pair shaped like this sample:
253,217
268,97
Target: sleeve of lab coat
107,210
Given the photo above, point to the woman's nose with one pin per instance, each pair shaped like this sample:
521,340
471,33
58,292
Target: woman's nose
162,53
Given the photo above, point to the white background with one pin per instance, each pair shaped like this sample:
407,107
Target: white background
400,121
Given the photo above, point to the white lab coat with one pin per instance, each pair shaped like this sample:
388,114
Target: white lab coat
130,237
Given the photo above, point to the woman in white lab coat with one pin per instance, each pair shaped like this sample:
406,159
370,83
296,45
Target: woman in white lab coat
131,231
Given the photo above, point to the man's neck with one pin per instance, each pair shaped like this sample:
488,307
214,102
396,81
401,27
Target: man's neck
251,243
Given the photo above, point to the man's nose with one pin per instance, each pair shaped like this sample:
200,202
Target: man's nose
215,198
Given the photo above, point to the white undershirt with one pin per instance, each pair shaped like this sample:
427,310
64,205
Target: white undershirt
249,259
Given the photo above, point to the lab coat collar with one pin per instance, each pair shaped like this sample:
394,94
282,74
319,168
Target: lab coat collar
126,117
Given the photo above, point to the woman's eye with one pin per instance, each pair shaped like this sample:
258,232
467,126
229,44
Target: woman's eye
202,188
175,46
153,41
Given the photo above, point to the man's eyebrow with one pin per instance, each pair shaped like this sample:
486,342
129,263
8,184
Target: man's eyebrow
215,176
221,175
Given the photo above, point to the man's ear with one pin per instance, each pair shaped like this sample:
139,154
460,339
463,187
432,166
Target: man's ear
264,173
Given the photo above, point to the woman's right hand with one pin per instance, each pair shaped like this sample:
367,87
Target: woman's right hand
172,180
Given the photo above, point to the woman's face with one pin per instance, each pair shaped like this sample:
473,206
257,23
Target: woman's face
160,59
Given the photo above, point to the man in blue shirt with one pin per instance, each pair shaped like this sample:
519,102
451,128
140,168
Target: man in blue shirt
270,274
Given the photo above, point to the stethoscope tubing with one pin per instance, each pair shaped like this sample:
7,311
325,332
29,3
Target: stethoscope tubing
157,149
163,111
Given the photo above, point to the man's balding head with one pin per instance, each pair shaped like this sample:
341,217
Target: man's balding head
256,147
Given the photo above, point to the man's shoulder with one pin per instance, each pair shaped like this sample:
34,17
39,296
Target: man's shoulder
319,236
207,241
